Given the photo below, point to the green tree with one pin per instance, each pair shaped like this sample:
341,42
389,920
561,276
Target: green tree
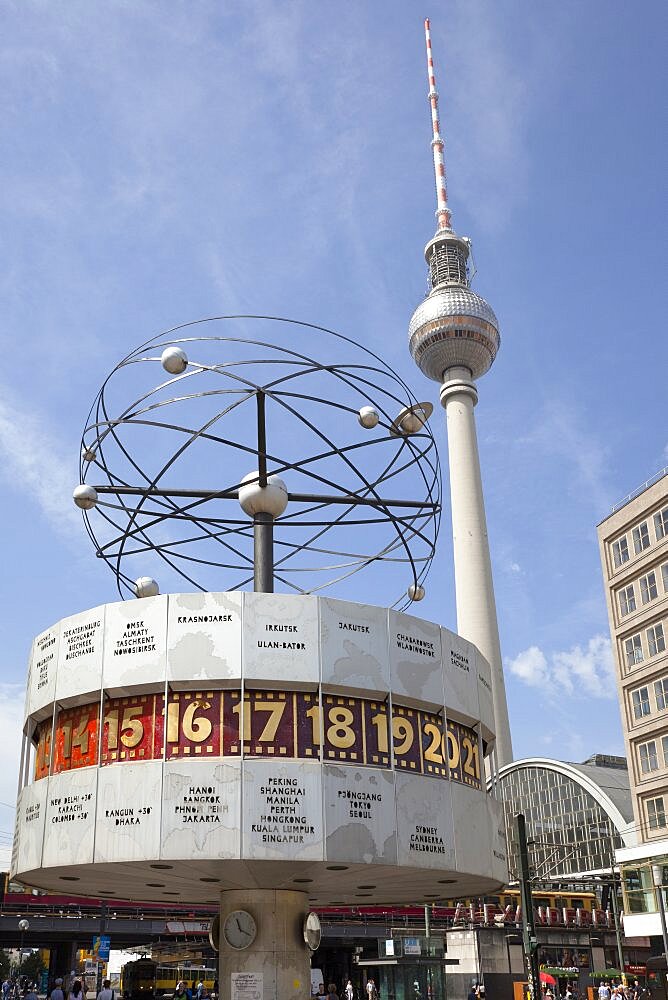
32,966
5,964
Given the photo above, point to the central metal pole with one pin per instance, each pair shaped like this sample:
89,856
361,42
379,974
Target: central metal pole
263,554
263,524
261,440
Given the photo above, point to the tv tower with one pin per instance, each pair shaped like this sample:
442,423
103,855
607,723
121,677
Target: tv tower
453,339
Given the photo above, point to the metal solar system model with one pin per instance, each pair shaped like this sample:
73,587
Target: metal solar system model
266,752
311,450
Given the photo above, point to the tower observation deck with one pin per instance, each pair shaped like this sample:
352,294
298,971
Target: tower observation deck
453,338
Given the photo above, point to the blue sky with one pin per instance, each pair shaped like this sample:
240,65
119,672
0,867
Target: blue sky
165,162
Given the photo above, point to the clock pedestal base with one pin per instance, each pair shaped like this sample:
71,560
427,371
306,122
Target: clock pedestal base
277,963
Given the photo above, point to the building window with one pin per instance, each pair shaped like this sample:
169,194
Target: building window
627,600
656,640
656,813
648,591
620,551
640,538
661,523
641,700
648,758
633,649
664,574
664,747
661,694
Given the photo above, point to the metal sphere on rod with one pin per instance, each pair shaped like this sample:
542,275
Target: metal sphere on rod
85,496
174,360
146,586
368,417
271,499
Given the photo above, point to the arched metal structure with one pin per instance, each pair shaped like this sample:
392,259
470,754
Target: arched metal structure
576,814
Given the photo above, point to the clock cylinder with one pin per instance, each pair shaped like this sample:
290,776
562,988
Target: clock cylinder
279,916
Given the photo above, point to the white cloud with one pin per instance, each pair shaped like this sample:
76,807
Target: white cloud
531,667
585,670
589,669
34,463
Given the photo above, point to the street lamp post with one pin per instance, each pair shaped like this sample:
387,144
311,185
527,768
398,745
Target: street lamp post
657,878
24,925
618,930
615,909
529,937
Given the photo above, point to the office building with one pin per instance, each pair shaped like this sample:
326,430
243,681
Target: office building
633,542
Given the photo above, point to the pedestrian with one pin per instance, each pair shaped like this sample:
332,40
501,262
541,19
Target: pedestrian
57,991
31,993
76,991
473,992
604,991
106,993
181,992
349,991
331,992
371,991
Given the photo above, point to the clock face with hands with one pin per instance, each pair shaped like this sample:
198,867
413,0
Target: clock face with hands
239,929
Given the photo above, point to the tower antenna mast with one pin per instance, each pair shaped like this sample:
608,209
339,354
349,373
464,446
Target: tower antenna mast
443,213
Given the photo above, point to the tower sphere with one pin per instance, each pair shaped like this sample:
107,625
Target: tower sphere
453,327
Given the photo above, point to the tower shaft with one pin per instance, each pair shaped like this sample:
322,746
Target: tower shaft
474,587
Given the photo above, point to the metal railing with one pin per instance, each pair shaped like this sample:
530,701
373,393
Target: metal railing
641,489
